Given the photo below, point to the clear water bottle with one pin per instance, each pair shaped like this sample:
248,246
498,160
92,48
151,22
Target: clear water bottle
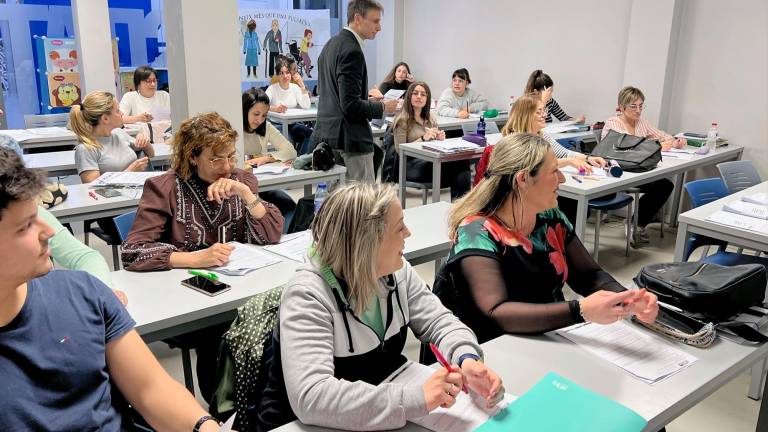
712,137
320,195
481,126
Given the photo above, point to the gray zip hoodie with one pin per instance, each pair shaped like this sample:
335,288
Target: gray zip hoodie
312,333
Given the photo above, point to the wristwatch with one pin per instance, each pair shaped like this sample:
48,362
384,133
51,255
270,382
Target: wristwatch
202,420
253,203
467,356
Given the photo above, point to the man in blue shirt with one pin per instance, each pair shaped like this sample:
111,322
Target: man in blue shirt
65,338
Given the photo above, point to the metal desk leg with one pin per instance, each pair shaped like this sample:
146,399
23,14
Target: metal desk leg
581,216
401,177
436,181
762,418
757,381
682,236
285,129
676,199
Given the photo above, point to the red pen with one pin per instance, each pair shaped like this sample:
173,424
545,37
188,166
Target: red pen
445,363
93,195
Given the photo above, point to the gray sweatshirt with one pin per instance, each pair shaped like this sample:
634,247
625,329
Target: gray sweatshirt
449,104
312,333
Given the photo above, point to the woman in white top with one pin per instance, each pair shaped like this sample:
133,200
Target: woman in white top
285,94
459,100
258,136
138,106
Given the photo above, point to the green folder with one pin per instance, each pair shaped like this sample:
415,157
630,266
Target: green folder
556,404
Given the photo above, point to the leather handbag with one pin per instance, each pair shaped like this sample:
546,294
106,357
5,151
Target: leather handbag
323,158
632,153
710,291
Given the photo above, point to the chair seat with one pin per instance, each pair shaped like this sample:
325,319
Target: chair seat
731,259
620,200
106,238
418,185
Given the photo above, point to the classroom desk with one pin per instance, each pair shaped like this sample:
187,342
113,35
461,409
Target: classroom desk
451,123
54,136
62,163
416,150
295,115
163,308
521,361
669,167
80,206
694,221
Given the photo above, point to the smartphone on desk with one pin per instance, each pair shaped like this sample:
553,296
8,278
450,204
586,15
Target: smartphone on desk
107,193
205,285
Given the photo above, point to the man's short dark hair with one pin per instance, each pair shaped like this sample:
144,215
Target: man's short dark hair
17,183
361,7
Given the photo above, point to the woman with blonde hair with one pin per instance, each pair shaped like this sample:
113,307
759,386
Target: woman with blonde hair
187,216
103,146
344,318
514,250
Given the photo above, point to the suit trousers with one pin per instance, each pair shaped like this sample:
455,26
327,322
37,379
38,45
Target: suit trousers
359,166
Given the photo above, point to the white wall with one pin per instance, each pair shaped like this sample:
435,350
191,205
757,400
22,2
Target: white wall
721,74
581,45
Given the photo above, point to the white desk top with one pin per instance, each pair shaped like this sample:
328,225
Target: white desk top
429,232
63,162
522,360
668,167
456,123
294,114
697,217
49,136
417,149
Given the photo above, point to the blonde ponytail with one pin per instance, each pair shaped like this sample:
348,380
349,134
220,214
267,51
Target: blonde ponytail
83,118
512,154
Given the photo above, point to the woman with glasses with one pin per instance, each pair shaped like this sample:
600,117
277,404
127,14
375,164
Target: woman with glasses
198,206
459,100
137,106
415,123
628,121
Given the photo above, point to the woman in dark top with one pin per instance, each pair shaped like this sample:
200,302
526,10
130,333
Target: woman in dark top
541,83
514,250
399,78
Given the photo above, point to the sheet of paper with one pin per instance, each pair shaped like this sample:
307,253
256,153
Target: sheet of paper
51,131
631,349
560,127
467,414
300,111
451,146
293,246
227,426
758,198
394,94
677,155
160,114
739,221
125,178
596,171
747,209
20,135
246,258
271,168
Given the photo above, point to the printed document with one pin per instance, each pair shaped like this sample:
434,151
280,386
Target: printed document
125,178
739,221
246,258
271,168
631,349
758,198
747,209
468,413
292,246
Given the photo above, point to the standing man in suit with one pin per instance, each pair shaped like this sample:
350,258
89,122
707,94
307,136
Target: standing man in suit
345,106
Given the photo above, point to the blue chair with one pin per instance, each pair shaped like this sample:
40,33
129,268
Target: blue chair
738,175
613,202
124,222
702,192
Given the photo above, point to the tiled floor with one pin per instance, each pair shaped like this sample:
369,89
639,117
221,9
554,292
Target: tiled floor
728,409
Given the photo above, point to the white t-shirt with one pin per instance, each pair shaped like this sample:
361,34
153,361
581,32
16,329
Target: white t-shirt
133,103
292,98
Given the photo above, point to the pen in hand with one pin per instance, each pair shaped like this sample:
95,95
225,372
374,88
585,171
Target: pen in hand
445,363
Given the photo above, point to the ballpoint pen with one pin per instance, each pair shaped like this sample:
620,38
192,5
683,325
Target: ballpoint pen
576,178
205,274
445,363
93,195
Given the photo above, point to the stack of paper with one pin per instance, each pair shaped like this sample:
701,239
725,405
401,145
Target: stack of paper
631,349
560,127
577,408
244,259
23,135
126,179
271,168
758,198
467,414
596,171
293,246
747,209
451,146
394,94
739,221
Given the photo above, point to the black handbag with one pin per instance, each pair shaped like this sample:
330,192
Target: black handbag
709,291
323,158
633,154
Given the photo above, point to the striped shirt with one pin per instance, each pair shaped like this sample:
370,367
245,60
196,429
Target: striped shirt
642,129
553,109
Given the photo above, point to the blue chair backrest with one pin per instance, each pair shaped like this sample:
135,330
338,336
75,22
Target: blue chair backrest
705,190
738,175
124,222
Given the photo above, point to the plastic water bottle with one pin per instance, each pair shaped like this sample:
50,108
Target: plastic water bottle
712,137
481,126
320,195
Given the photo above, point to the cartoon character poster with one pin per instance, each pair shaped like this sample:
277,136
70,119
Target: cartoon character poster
61,55
267,34
64,89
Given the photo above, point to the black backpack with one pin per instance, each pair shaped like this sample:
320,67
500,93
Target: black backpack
390,170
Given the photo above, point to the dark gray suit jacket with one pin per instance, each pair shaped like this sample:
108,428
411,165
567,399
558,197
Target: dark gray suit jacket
343,109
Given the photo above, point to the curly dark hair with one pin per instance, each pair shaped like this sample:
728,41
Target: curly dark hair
194,135
17,183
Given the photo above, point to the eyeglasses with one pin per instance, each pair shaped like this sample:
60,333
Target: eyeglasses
541,112
151,81
635,107
222,162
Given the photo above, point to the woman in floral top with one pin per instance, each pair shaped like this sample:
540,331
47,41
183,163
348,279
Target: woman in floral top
514,250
